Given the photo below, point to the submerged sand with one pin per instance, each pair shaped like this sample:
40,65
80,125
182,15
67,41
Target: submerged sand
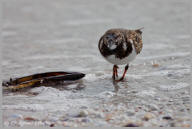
41,36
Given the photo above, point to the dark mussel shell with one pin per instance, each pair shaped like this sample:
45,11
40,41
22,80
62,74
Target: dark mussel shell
42,79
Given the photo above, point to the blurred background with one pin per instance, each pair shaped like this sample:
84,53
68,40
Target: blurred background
43,35
50,35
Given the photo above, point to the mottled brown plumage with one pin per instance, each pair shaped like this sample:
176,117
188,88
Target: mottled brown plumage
120,46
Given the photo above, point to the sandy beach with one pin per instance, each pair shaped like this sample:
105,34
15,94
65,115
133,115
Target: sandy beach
41,36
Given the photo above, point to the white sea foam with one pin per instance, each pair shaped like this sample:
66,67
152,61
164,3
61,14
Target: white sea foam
178,54
24,107
146,93
51,99
177,86
43,57
105,94
158,46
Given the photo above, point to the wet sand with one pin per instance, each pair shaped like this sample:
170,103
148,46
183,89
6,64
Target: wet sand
42,36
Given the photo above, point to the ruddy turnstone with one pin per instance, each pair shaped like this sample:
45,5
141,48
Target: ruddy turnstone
119,47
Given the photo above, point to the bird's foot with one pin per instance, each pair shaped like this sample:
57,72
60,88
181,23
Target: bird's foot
121,79
115,72
123,76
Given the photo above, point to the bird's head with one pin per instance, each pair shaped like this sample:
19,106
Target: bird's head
112,39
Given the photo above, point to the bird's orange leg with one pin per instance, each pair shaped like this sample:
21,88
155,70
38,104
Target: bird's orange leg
115,72
126,68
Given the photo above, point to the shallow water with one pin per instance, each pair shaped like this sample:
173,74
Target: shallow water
41,36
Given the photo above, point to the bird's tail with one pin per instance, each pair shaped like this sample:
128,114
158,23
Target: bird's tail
139,30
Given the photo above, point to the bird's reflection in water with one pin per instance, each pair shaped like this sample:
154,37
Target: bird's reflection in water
116,86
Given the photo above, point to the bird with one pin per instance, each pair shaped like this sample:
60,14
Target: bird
120,47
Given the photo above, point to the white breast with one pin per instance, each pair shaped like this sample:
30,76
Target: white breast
112,59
